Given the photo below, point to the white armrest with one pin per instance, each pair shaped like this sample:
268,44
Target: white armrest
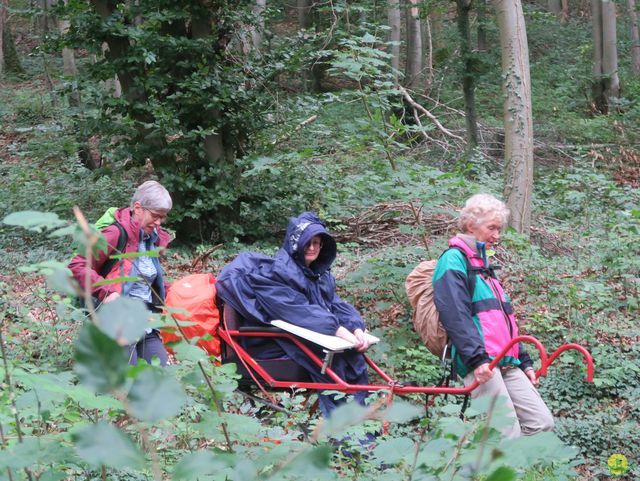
331,343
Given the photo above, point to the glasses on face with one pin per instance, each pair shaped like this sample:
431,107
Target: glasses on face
156,216
314,244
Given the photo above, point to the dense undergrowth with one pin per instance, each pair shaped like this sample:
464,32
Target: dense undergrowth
575,280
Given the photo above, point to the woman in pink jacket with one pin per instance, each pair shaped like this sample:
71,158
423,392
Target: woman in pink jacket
139,224
482,322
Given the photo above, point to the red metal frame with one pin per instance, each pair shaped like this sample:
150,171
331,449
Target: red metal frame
392,386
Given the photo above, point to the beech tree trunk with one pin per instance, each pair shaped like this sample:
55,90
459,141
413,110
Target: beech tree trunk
258,30
10,55
3,21
468,77
635,38
393,15
413,72
518,122
428,57
565,11
606,83
304,13
481,9
555,7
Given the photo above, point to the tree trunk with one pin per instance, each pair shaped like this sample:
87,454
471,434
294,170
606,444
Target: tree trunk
606,83
413,75
44,21
11,59
468,77
610,50
481,9
555,7
437,30
304,14
393,14
258,29
3,20
428,58
635,38
518,122
565,11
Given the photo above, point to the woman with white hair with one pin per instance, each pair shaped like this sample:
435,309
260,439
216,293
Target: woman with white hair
481,323
137,229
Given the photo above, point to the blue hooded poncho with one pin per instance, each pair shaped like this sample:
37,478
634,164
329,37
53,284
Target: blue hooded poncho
262,289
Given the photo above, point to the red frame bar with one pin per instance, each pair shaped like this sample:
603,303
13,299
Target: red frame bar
392,386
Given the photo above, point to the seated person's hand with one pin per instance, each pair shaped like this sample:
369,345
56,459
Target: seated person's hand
482,373
357,338
362,340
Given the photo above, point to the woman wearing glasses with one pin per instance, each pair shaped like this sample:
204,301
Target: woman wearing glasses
297,286
139,223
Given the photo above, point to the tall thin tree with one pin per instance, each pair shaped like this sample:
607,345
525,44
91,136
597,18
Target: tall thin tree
606,83
635,38
393,15
518,121
468,76
413,71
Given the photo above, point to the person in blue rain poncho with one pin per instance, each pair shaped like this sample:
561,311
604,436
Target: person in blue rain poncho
297,286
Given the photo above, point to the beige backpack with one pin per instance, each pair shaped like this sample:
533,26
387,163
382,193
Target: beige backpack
426,321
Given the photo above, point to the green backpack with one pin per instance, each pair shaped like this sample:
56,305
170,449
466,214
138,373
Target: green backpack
107,219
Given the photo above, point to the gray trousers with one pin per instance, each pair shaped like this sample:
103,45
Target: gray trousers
531,415
147,348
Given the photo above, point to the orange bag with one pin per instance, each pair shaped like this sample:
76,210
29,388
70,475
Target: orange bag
196,294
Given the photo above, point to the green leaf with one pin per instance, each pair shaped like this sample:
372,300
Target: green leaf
241,428
101,363
188,352
34,220
343,417
394,450
312,464
124,319
60,280
503,473
403,411
116,280
155,395
200,463
104,444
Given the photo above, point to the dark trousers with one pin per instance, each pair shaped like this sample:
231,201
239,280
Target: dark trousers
148,347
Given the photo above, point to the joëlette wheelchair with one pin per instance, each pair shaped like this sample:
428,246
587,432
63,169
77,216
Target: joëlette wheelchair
286,374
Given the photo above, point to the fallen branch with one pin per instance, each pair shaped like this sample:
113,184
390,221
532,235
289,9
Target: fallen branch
432,117
302,124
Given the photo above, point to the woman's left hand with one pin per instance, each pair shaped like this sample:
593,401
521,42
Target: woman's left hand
531,374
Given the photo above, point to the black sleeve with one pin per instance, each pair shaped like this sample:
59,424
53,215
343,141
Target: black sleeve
525,359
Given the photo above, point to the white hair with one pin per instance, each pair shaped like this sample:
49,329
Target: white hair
152,195
479,208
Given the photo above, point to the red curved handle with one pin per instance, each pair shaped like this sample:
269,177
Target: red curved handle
545,360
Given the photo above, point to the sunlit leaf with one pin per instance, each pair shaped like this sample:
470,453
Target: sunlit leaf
503,473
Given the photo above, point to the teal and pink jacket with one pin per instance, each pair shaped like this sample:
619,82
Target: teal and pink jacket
479,323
